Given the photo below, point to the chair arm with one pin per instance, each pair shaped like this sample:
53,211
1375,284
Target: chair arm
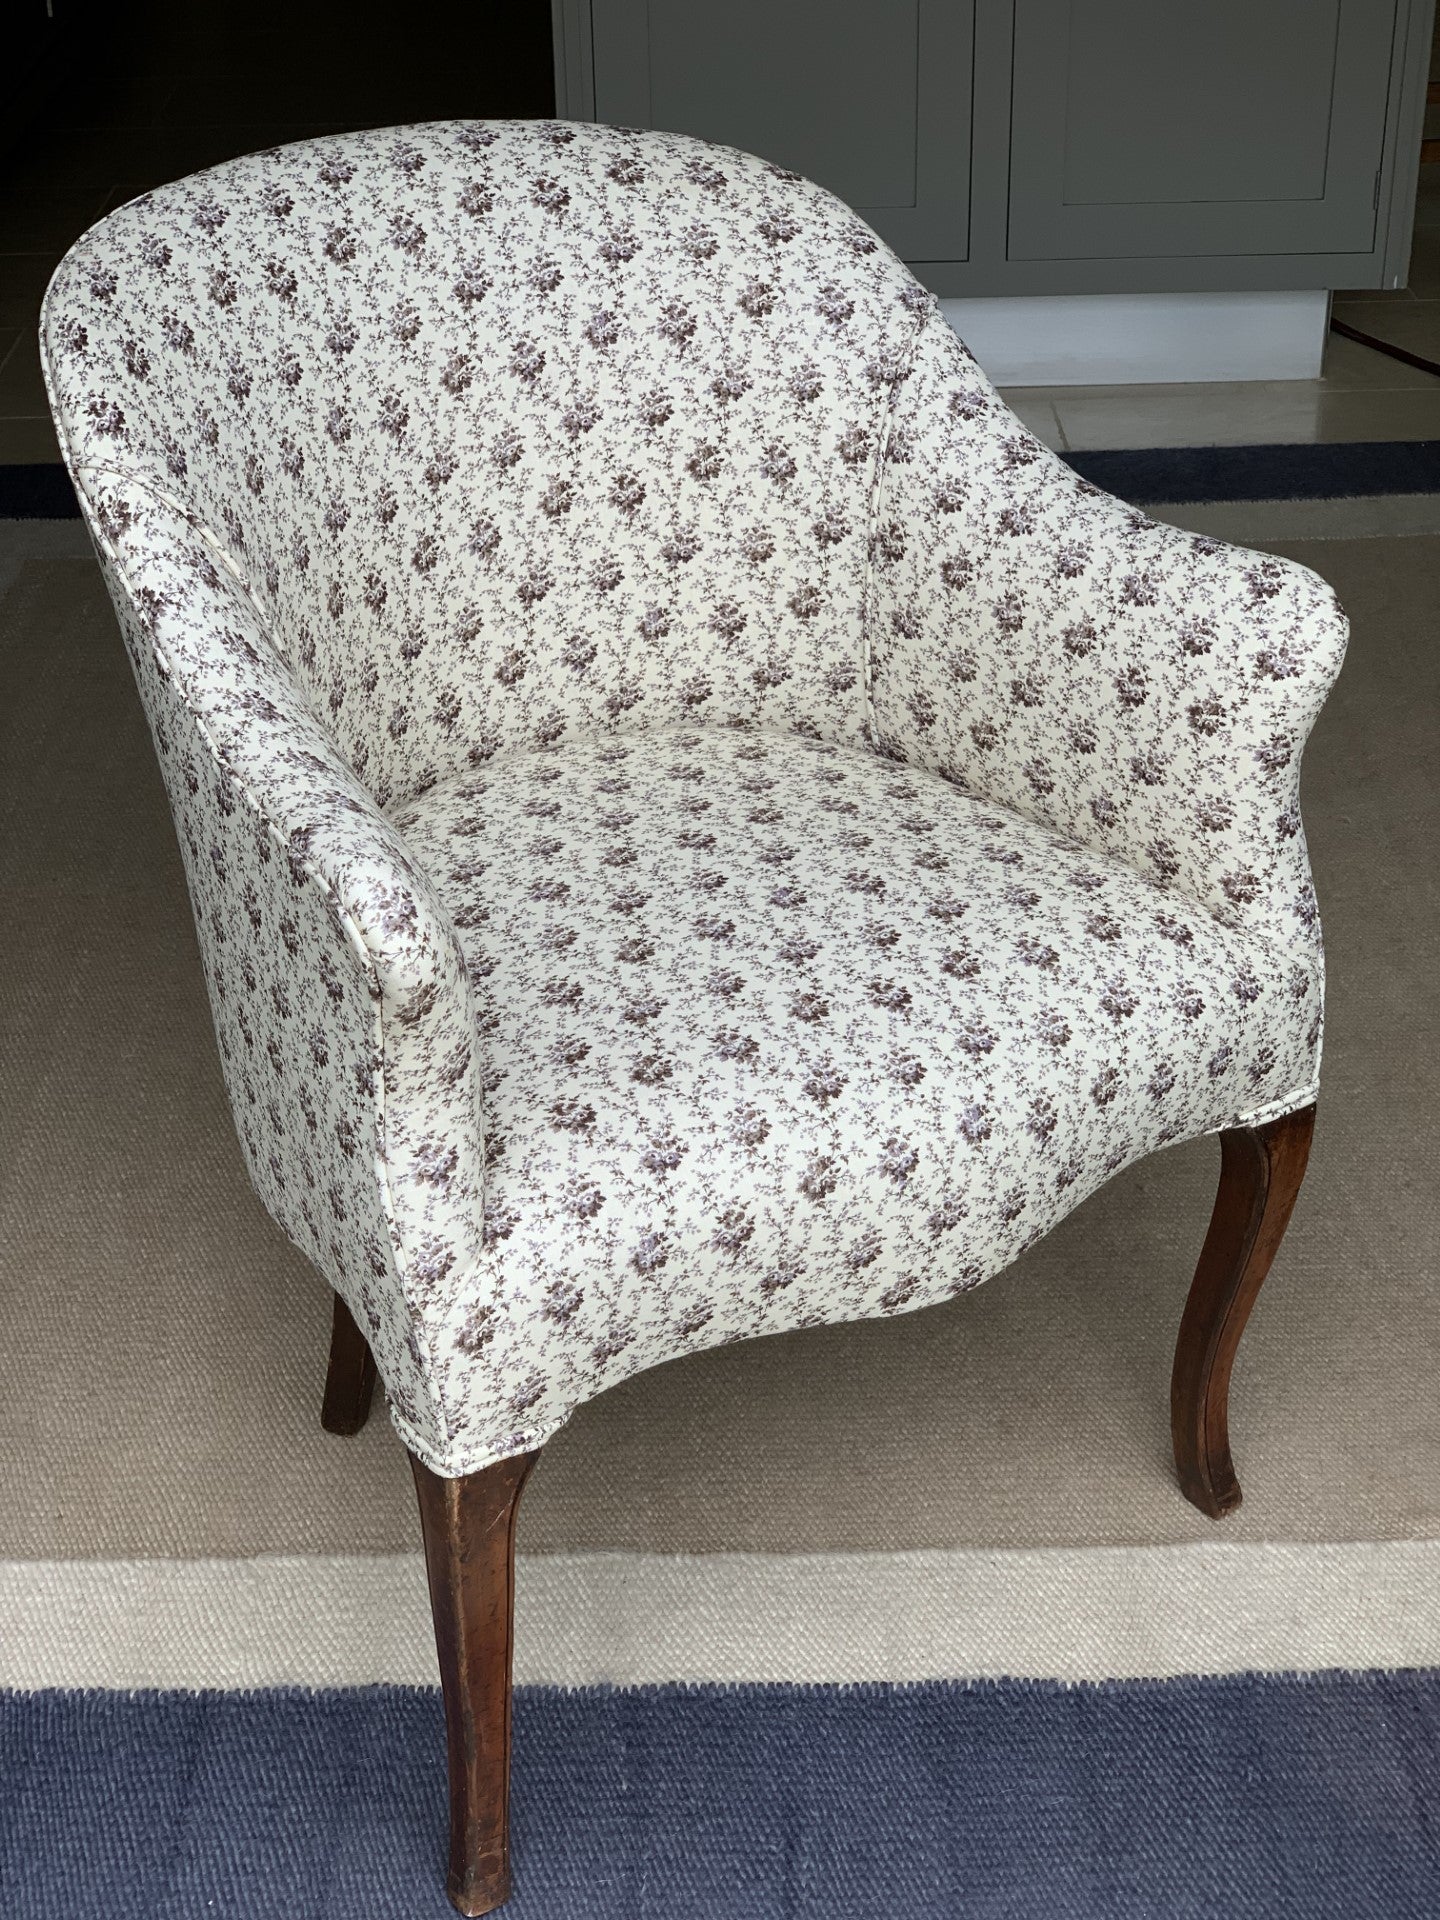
1144,691
342,1007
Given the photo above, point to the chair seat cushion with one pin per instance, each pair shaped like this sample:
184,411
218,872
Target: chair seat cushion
776,1033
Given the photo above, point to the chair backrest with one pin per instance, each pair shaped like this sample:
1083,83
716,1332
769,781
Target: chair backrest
515,430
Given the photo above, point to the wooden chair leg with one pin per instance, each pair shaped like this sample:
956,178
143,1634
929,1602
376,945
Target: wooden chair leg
469,1530
350,1380
1260,1173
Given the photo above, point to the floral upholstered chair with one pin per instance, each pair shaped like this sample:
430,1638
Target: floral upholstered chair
698,823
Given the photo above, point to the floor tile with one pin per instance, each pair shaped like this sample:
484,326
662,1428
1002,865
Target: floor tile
103,156
23,280
131,102
1349,367
373,106
159,157
1244,413
1036,408
120,195
82,120
1414,325
1427,199
23,442
44,222
22,390
67,163
1405,414
1219,413
1379,295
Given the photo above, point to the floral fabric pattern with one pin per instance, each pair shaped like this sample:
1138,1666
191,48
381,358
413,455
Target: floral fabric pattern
1145,690
697,822
773,1032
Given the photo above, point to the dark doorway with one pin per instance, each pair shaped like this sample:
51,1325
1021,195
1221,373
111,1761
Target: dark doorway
99,101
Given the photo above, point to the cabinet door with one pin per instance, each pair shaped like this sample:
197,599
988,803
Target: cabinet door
869,97
1228,127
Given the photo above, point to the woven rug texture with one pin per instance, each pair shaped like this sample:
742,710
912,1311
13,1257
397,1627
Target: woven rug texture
164,1347
1240,1799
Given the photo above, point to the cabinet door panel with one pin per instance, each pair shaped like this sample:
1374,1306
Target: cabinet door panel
869,97
1232,127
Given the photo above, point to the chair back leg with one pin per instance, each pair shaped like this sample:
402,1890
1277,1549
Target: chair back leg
469,1531
350,1381
1260,1173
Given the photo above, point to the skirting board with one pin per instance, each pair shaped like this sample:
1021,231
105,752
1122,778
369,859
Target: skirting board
1071,1614
1121,339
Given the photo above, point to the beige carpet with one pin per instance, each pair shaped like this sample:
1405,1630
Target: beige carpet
162,1348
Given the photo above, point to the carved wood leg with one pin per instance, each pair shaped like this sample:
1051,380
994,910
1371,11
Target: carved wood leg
1260,1173
350,1380
469,1529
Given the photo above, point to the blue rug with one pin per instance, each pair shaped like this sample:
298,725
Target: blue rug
1241,1798
1334,471
1348,470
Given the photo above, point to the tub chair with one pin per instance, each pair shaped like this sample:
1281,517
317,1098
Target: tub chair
698,823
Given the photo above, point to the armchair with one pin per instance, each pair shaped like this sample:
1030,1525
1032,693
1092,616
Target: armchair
698,823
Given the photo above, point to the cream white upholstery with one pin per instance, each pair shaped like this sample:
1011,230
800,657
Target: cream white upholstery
698,823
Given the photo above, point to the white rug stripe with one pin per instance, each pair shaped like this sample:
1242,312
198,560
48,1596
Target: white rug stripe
631,1619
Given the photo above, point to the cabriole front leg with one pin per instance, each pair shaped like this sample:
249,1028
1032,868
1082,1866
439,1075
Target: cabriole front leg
469,1530
1260,1173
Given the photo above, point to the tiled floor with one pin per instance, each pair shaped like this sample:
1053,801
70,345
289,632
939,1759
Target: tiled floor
197,87
1363,395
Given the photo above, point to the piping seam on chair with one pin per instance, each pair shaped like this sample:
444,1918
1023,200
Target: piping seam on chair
1291,1102
869,595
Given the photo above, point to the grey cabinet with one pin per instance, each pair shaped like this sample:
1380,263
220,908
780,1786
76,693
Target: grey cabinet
1233,127
869,97
1051,146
